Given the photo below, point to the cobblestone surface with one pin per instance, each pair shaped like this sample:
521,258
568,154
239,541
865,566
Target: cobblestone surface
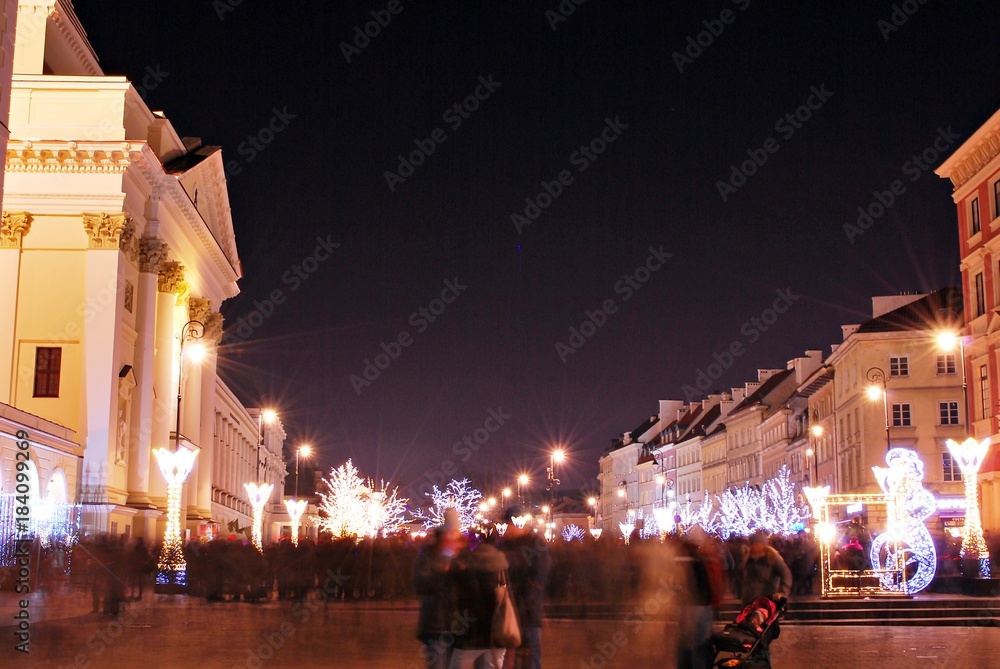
163,631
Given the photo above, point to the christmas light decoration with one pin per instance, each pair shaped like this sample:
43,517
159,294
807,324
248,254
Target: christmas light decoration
816,497
596,532
458,495
295,508
258,495
501,528
969,455
571,532
774,509
521,521
906,543
171,569
663,518
628,526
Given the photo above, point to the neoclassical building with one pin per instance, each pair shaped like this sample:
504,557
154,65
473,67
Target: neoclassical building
117,251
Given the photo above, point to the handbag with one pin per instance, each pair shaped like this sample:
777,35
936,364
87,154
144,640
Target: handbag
505,632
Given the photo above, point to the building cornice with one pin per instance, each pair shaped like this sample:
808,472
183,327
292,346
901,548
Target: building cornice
62,157
973,155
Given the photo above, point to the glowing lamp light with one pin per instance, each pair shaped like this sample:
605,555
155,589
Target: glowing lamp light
969,455
523,479
947,341
817,430
826,532
559,455
592,501
295,507
258,495
874,393
171,569
621,492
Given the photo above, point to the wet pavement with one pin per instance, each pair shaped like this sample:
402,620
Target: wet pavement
177,631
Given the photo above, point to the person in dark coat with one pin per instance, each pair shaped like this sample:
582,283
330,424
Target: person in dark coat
765,573
530,565
475,575
432,585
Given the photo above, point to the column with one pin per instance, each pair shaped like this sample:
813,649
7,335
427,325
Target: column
12,231
169,285
101,356
152,253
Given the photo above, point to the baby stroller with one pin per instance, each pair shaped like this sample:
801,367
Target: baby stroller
744,643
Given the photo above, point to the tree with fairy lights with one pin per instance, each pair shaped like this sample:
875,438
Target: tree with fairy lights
458,495
785,514
353,508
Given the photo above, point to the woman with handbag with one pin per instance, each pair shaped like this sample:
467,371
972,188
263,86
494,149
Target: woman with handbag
476,575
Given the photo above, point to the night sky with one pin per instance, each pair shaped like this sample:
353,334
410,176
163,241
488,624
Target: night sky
673,128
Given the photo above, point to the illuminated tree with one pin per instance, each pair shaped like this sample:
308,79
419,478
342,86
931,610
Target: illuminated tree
458,495
352,508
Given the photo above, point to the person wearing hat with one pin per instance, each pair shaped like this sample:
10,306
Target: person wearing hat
431,583
530,564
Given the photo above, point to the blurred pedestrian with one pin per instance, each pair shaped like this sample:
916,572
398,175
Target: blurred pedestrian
530,566
475,575
431,583
765,573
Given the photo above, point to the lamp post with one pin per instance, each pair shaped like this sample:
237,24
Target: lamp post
557,456
175,465
876,376
946,342
305,450
817,433
259,492
522,480
505,495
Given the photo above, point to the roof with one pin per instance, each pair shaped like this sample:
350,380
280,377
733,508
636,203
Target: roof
763,390
940,310
183,163
705,420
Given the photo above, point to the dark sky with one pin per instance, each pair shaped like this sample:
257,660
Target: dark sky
656,184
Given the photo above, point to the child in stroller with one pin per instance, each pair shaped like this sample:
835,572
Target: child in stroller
744,642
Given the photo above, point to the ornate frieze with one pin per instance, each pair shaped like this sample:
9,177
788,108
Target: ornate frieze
105,231
13,229
152,255
976,158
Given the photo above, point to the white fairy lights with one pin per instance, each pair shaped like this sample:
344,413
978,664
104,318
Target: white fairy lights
295,507
171,569
258,495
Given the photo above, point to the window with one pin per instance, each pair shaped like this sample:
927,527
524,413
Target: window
980,295
901,415
48,363
951,470
948,412
898,366
976,226
946,364
984,392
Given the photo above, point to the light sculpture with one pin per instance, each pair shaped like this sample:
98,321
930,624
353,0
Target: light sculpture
171,569
905,553
258,495
295,507
969,455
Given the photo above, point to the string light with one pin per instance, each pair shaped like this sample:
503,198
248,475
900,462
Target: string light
258,495
571,532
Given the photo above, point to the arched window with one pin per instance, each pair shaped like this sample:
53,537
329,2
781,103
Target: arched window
56,491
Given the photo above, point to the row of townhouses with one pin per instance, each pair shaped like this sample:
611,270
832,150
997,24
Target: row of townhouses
817,416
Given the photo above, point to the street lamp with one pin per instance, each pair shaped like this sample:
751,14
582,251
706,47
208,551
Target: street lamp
557,456
817,433
175,465
305,450
259,493
592,502
522,480
504,494
876,376
946,342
